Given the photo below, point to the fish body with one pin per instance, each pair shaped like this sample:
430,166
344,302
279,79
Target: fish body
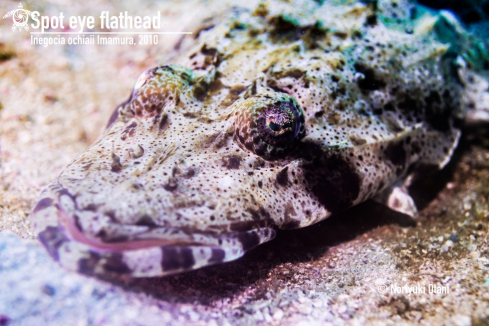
272,116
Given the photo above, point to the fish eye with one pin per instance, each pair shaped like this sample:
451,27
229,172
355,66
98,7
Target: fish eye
142,79
269,125
278,125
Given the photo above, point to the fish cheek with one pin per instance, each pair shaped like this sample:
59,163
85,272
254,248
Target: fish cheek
396,154
290,221
333,181
282,177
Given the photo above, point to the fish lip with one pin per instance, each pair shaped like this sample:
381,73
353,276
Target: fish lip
67,244
71,231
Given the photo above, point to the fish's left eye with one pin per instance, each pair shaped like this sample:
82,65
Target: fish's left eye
279,125
269,125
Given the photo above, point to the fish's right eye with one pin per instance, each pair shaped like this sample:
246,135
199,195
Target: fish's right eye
142,80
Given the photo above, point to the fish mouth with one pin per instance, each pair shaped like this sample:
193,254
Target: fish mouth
75,234
158,251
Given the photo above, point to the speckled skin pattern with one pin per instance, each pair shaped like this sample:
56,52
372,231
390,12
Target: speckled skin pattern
277,116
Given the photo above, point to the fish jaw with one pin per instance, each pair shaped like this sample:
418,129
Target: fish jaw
60,234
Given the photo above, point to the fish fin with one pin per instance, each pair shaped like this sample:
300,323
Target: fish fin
398,199
434,151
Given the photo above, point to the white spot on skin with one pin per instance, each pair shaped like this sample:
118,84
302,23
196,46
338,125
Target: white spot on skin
226,182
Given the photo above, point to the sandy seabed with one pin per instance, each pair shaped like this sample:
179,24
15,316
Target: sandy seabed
355,268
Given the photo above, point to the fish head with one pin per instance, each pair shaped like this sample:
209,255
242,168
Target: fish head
182,178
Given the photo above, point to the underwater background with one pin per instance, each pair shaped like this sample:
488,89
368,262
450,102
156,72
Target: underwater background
55,101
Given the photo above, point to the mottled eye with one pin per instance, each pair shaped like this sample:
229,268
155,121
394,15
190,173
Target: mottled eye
279,125
269,124
142,80
157,88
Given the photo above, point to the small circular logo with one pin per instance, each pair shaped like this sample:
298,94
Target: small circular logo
382,288
20,17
